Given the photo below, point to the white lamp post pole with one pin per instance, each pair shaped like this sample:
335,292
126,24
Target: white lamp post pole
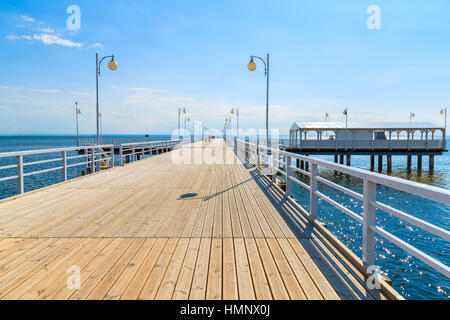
112,65
252,67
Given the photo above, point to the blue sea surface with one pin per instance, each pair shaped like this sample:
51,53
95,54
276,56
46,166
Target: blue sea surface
411,277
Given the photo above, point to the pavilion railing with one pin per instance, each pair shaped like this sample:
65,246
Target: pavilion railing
365,144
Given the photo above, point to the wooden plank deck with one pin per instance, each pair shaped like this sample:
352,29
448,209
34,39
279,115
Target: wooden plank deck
158,230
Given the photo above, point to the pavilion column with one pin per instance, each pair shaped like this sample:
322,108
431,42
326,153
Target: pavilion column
431,163
380,163
419,163
372,163
389,163
408,164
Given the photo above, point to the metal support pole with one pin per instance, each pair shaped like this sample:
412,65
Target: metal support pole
121,155
369,219
267,100
97,70
133,154
64,165
312,192
20,186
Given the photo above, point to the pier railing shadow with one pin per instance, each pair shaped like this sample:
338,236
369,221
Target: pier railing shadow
334,266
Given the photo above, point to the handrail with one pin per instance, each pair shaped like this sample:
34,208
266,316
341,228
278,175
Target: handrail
252,153
145,148
93,156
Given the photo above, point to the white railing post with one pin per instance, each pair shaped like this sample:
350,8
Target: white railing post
121,155
369,219
258,161
235,146
112,157
312,192
64,165
288,176
246,149
93,168
20,186
133,156
274,169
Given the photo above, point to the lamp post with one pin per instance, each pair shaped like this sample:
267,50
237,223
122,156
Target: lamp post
112,65
444,113
412,115
326,120
252,67
184,111
77,112
345,113
236,111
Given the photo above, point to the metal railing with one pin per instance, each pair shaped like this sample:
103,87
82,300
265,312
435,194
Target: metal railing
114,141
393,144
58,159
140,149
281,162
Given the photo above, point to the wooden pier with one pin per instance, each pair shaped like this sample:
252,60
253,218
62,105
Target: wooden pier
153,229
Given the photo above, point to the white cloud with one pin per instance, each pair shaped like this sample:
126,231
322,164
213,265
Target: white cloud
145,90
49,39
30,89
14,37
27,19
47,30
96,45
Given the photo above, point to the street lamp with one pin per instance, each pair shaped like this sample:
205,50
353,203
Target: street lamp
252,67
236,111
77,112
444,113
412,115
112,65
184,111
345,113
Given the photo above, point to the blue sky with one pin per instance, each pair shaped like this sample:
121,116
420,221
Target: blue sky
194,54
